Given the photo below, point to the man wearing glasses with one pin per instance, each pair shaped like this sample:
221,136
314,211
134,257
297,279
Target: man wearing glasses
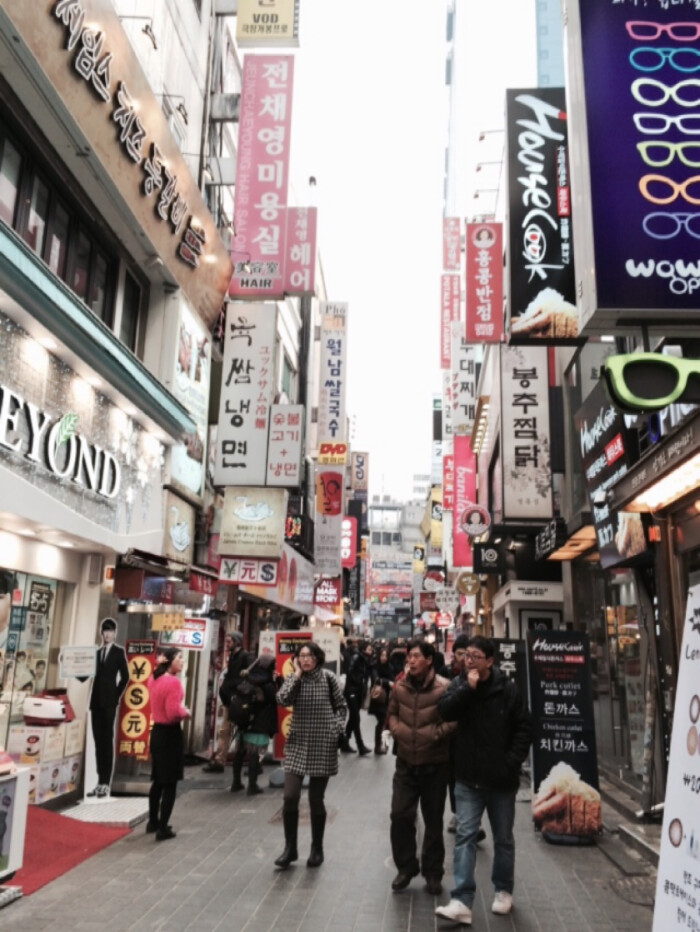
493,738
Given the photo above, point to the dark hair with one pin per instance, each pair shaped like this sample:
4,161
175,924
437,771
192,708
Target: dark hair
460,642
318,652
425,647
7,581
109,624
170,653
485,645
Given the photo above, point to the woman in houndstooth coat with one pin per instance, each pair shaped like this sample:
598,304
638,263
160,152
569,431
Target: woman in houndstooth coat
318,719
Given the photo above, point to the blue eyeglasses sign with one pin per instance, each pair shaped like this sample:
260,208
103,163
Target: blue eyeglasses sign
640,74
642,383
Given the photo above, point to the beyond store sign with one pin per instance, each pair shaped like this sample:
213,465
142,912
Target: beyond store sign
27,430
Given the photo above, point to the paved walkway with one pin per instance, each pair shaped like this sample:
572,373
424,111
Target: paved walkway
218,875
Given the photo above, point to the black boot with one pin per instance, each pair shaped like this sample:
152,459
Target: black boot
318,825
254,769
291,824
237,782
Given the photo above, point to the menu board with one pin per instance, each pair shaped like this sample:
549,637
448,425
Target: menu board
677,902
566,801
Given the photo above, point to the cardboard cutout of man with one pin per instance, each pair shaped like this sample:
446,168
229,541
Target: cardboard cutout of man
111,679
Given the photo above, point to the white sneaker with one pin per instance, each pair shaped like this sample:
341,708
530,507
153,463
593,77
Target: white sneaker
456,911
502,903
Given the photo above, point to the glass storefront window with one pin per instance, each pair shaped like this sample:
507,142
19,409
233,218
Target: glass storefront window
58,241
79,282
10,165
98,287
38,213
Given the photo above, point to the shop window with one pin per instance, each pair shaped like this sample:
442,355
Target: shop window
57,241
128,328
10,166
99,283
81,266
38,215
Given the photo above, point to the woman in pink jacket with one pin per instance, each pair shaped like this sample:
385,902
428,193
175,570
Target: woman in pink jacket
167,712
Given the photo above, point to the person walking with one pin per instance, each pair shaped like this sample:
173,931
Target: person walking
382,684
493,738
238,660
318,717
356,676
422,768
167,750
261,676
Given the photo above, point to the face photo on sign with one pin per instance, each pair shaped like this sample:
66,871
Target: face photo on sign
483,236
329,488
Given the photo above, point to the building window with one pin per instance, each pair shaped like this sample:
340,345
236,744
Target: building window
81,266
99,288
57,240
10,165
128,329
38,214
287,377
376,538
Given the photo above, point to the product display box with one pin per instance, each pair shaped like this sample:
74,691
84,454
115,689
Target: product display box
75,737
49,783
70,773
33,784
35,744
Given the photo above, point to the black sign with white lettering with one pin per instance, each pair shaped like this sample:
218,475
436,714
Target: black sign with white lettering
511,657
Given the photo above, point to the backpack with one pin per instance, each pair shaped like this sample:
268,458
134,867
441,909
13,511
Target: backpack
243,705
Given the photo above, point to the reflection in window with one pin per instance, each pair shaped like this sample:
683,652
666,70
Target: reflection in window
98,288
58,241
81,268
38,212
10,165
128,329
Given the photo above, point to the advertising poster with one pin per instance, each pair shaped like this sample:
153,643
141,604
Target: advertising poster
603,442
253,522
542,292
135,708
565,801
633,73
7,808
328,520
191,388
286,644
677,903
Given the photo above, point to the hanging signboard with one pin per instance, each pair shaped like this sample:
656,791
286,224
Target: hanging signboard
253,522
484,282
272,24
566,801
463,361
332,372
285,445
450,244
135,706
450,289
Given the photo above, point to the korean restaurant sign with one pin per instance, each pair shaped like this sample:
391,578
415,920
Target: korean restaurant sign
463,365
348,542
247,386
448,482
450,244
333,372
484,282
262,177
450,292
527,472
83,50
253,522
268,24
540,261
604,443
634,114
285,445
300,251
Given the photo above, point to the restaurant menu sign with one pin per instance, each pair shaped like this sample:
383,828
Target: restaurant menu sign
484,282
603,442
677,903
635,116
566,801
542,293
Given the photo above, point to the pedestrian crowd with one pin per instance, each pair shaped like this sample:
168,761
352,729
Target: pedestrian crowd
461,730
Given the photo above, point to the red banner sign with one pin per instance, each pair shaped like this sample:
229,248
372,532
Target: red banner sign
484,283
465,495
135,707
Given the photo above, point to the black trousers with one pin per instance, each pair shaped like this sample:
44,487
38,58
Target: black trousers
354,701
426,785
292,793
102,720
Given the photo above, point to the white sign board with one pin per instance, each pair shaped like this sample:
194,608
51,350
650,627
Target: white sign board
76,661
333,374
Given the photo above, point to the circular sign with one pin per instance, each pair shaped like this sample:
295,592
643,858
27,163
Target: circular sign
474,520
447,600
468,583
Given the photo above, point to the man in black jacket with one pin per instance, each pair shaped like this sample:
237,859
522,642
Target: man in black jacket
238,660
356,676
493,738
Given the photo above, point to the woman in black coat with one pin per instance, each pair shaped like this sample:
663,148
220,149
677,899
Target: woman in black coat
382,675
263,725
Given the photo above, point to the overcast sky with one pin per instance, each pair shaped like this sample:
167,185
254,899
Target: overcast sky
370,123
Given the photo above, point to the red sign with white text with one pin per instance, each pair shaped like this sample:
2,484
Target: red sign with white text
450,294
465,495
448,483
300,251
348,542
484,282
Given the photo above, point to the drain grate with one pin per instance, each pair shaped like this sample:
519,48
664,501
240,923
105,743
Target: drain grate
637,890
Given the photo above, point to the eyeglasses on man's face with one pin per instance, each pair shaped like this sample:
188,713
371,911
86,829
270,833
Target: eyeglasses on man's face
474,655
644,382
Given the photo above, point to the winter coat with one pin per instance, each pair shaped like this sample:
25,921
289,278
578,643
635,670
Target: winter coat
237,662
356,673
384,673
421,736
494,730
265,709
318,720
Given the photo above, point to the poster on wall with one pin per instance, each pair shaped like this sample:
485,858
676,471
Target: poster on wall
191,388
566,801
678,878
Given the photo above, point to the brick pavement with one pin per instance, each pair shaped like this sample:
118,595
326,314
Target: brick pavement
218,874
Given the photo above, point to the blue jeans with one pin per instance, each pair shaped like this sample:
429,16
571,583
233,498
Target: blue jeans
500,806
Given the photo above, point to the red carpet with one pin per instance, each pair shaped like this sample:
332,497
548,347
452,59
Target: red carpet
54,843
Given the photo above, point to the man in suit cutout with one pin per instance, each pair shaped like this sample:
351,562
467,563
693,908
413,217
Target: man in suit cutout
110,681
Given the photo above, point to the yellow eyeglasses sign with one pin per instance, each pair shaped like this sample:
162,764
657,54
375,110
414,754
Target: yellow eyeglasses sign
641,383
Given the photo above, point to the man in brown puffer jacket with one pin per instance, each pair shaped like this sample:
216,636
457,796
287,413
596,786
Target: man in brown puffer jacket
422,744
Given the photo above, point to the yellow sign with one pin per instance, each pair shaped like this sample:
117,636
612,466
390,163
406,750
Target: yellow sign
167,622
333,454
267,23
468,584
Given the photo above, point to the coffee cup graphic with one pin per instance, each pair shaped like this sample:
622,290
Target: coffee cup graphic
33,745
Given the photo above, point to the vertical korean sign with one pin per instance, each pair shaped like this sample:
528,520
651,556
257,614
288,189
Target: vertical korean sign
463,357
678,879
247,385
262,177
450,244
450,294
333,377
285,445
566,801
300,251
484,282
527,473
464,498
135,707
542,292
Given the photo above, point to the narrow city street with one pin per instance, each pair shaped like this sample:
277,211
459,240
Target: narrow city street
218,873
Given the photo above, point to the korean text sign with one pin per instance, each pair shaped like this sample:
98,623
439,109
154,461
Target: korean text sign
285,445
463,364
333,376
636,69
300,251
450,244
247,387
450,292
484,282
262,176
542,292
464,497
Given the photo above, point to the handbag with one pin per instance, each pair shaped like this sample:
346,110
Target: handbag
378,694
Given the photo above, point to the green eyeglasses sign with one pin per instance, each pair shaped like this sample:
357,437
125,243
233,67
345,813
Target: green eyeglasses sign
641,383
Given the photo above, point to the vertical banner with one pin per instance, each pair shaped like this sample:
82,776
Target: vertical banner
262,177
191,388
450,244
465,497
540,259
484,282
678,878
448,482
300,251
527,473
328,520
285,445
286,644
463,359
447,405
436,520
565,801
511,658
247,386
450,295
135,707
348,542
359,472
333,377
